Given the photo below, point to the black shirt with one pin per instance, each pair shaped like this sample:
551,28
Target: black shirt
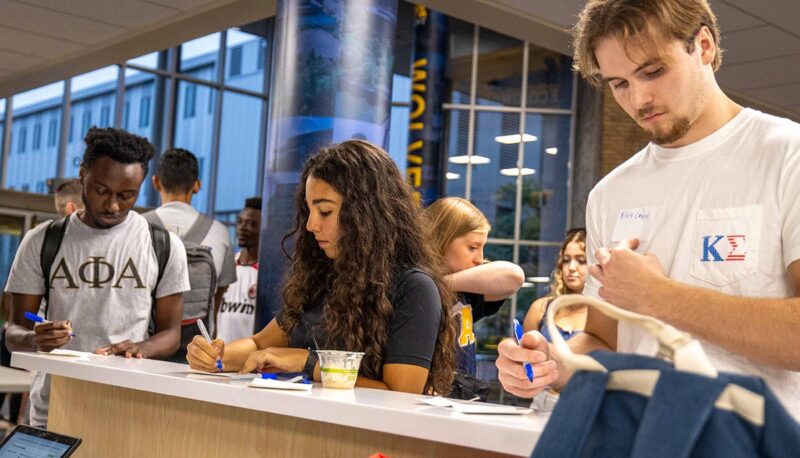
413,328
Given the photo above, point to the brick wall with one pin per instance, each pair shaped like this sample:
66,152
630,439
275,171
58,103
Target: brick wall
622,137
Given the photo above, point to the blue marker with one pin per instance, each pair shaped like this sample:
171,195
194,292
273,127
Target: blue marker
518,335
204,332
294,377
37,319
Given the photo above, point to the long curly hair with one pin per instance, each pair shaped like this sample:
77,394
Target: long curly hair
381,234
557,285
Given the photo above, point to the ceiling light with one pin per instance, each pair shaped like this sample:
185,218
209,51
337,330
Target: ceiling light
513,139
453,176
538,279
474,159
513,171
552,151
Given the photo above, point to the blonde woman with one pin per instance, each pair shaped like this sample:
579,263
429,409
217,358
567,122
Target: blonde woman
459,232
569,277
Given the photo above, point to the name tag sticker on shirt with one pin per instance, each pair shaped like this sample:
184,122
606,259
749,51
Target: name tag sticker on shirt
633,223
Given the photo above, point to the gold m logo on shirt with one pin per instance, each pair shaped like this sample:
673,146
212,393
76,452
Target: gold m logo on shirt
96,272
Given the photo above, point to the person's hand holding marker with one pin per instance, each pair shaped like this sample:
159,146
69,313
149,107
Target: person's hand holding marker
533,349
205,354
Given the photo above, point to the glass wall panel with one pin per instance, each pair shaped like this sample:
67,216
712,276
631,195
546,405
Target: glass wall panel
545,198
549,79
538,263
199,57
2,122
93,97
31,162
490,330
459,60
148,60
457,138
246,56
398,137
195,134
138,116
499,69
237,169
494,169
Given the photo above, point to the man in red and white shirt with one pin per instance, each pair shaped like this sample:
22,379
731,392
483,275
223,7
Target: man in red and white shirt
237,313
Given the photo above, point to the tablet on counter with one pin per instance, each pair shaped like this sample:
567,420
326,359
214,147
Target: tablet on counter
27,441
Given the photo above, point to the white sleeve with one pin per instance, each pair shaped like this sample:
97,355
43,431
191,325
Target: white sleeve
26,271
790,205
594,240
176,274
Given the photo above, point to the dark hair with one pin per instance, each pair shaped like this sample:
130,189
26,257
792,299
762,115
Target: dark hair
253,202
70,190
120,145
381,235
177,170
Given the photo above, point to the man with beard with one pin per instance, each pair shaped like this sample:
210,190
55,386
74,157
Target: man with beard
700,228
105,274
236,316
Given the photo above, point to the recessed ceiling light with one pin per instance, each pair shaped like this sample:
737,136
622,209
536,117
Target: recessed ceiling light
474,159
453,176
513,171
552,151
513,139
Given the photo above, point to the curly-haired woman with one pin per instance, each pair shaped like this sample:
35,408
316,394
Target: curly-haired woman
362,278
569,277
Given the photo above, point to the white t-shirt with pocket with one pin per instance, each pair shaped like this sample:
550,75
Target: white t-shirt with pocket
722,213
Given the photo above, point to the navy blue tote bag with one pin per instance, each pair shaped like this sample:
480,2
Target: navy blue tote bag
674,405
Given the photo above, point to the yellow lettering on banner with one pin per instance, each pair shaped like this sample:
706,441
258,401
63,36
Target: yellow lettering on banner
418,87
418,102
417,197
415,159
417,145
467,336
416,126
414,176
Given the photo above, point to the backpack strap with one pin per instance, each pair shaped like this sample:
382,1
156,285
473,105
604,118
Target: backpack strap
153,218
161,246
199,229
53,236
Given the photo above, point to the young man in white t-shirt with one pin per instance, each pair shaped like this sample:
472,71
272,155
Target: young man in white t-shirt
701,228
236,317
104,275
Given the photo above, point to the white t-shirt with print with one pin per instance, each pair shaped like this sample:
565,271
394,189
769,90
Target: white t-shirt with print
178,218
722,213
237,313
102,281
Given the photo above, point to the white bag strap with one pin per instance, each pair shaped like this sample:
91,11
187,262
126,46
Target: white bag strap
685,352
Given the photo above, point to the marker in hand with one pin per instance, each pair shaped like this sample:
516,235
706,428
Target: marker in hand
518,336
204,332
37,319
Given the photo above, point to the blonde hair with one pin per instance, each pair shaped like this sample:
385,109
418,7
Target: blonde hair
631,20
557,285
450,218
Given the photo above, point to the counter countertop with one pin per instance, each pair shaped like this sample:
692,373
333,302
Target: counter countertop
376,410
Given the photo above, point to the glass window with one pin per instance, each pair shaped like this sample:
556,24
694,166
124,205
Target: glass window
490,330
538,263
2,122
86,123
499,69
189,100
32,108
144,112
37,136
247,50
22,139
11,229
71,127
105,116
199,57
544,189
238,153
457,138
52,133
494,169
459,60
126,114
549,79
194,134
398,137
148,60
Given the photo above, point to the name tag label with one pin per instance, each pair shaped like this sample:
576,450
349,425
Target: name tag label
633,223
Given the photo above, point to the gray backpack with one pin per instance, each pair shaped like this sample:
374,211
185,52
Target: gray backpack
198,302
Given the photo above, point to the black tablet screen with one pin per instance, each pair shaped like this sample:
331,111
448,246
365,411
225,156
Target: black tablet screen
29,443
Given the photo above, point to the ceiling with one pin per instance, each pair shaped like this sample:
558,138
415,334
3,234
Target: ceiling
42,41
